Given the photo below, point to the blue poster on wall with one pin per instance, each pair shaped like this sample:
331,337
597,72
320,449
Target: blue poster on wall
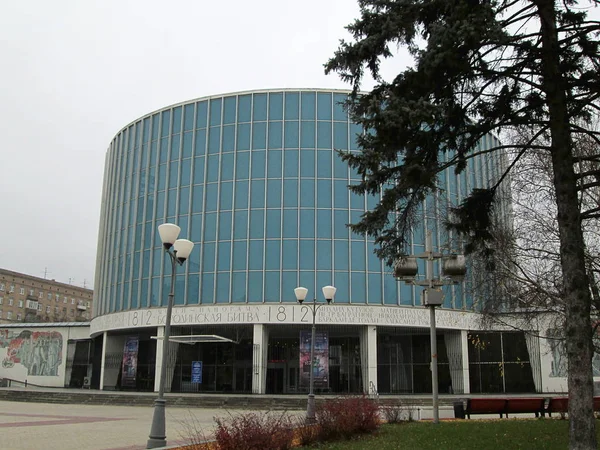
197,372
320,364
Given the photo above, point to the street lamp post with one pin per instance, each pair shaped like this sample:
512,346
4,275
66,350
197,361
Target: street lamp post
453,267
178,250
328,293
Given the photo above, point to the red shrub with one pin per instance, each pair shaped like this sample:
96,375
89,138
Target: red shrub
344,417
254,431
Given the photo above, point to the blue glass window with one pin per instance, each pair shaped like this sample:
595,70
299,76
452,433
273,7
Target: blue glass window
340,194
258,164
226,196
257,223
292,105
176,120
307,193
323,193
146,134
357,201
175,140
240,224
200,142
323,163
226,166
211,196
242,166
210,227
339,111
243,136
342,295
290,193
255,282
355,130
228,138
323,106
198,170
212,174
193,289
324,223
275,134
238,288
275,106
155,292
225,225
188,121
229,110
149,207
307,223
358,287
273,223
290,255
341,255
306,251
244,108
206,288
272,287
290,223
239,255
255,255
340,136
214,140
259,135
307,134
257,194
224,256
184,201
208,257
307,163
272,254
375,292
201,114
274,161
187,145
390,293
290,164
324,135
155,126
373,262
196,225
289,281
241,194
291,134
358,261
259,107
324,255
355,217
308,106
273,193
215,111
163,156
406,293
162,175
173,174
166,122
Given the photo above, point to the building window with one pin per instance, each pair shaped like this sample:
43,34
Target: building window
56,309
41,296
48,309
20,303
0,314
65,299
88,304
10,302
31,292
9,315
1,300
2,287
39,308
18,316
49,295
12,288
22,291
72,301
58,297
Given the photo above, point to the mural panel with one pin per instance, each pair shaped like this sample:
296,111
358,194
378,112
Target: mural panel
38,351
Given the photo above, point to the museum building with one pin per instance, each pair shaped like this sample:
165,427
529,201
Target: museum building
254,180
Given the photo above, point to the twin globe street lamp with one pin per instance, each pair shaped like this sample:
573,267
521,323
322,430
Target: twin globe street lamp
328,293
179,251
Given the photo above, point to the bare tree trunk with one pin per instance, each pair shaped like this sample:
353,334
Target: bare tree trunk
582,432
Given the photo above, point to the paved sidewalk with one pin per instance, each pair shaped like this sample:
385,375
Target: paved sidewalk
44,426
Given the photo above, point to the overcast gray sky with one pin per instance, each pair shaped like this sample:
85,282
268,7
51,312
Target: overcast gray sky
74,72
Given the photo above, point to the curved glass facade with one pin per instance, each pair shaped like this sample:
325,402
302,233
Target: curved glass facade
253,179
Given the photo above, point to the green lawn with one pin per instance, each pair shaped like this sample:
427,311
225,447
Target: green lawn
534,434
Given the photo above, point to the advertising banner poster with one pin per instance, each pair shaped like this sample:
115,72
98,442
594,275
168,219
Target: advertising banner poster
320,364
130,356
197,372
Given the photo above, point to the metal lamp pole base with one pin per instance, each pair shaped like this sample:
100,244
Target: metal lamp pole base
310,409
158,433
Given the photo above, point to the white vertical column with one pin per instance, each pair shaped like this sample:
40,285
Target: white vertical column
371,336
259,358
160,333
103,361
465,360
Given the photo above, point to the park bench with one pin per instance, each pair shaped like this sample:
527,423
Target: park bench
561,405
504,406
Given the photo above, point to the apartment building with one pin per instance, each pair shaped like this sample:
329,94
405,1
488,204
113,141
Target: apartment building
26,298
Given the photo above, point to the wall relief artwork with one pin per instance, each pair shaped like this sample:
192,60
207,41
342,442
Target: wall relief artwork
39,351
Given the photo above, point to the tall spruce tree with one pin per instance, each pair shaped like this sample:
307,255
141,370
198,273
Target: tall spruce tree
480,66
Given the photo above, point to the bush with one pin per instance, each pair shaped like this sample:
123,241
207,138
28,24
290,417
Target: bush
344,417
306,433
398,412
255,431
